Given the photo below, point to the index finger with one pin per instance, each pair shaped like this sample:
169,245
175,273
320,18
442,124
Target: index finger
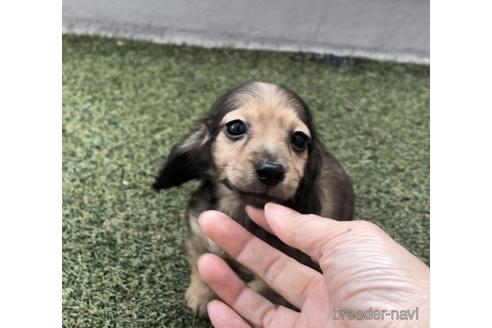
312,234
285,275
258,216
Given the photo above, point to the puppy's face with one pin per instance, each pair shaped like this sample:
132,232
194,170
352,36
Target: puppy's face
258,141
261,147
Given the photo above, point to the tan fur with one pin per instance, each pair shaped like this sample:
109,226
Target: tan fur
227,173
198,293
271,118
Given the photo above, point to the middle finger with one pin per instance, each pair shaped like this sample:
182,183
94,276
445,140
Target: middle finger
285,275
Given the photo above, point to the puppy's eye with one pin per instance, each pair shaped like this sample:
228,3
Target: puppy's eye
299,141
235,129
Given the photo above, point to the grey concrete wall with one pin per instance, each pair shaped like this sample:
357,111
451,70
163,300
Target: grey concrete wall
380,29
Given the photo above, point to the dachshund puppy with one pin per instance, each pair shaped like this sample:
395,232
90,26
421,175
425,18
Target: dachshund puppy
257,144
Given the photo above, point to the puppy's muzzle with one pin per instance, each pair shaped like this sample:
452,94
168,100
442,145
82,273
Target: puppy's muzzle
270,173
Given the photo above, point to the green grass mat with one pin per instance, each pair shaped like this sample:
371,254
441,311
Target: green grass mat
126,103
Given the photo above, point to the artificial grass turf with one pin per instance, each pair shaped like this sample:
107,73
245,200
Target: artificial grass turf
126,103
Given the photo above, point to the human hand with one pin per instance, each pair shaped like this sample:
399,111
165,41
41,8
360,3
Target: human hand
363,268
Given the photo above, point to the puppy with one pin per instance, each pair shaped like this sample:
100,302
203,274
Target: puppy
257,144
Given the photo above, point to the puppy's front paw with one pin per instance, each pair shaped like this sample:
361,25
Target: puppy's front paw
198,295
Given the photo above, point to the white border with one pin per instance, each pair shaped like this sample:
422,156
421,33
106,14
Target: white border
461,163
30,172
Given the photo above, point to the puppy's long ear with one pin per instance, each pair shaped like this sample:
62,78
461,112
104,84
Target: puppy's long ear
187,160
308,195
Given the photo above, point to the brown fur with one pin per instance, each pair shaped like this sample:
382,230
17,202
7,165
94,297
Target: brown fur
314,182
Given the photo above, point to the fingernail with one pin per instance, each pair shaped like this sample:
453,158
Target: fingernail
278,211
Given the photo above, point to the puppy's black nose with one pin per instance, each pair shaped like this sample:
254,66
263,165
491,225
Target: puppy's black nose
270,173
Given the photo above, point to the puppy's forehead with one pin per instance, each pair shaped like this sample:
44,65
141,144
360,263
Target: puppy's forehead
266,103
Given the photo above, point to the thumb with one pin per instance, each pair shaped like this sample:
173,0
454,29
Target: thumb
307,232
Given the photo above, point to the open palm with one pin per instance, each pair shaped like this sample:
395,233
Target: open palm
363,270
